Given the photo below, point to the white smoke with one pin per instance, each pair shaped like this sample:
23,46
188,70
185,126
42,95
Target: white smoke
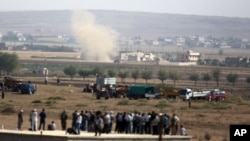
97,42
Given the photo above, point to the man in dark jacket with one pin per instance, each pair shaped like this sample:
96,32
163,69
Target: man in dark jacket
64,118
42,119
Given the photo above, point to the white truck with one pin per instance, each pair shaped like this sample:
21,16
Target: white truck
188,93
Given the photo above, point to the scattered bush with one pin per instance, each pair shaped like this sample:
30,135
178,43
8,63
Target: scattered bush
123,102
50,102
183,108
141,102
104,107
56,98
81,105
162,104
207,136
36,101
9,110
200,115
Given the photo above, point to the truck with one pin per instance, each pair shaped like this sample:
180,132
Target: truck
12,84
27,88
189,93
104,87
169,93
142,91
216,95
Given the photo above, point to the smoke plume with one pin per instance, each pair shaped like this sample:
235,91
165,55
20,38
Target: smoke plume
97,42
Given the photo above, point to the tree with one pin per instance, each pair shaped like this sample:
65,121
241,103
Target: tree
194,77
216,74
111,73
146,75
83,73
3,46
70,70
232,78
162,75
123,75
248,79
173,75
8,62
206,77
97,71
135,74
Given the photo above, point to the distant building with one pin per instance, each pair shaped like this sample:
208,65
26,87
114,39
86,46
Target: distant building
189,56
137,56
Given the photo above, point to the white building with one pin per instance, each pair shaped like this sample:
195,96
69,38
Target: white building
137,56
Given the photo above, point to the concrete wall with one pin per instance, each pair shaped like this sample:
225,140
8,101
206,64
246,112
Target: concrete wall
60,136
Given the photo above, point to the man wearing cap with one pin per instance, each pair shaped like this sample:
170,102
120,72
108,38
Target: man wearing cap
20,120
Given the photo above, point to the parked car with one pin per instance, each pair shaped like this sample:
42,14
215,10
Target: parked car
216,95
27,88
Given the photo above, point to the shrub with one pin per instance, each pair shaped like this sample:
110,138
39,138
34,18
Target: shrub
81,105
50,102
56,98
123,102
36,101
9,110
200,115
207,136
104,107
183,108
162,104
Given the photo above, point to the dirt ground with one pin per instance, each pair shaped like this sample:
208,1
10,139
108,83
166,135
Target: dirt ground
204,117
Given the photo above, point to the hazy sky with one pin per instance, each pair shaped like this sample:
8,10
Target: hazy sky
229,8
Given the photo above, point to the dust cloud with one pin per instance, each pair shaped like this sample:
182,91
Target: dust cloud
97,42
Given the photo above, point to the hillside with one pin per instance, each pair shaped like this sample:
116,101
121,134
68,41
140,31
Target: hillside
148,25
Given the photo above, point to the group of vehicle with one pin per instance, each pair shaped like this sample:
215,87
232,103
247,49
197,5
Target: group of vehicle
107,88
209,94
15,85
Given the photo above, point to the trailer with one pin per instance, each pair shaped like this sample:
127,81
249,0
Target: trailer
142,91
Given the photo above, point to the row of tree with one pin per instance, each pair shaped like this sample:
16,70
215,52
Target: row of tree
9,62
147,74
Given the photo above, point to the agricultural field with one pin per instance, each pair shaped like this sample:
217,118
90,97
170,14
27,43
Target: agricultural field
202,119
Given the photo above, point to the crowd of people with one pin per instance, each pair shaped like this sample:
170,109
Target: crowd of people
104,122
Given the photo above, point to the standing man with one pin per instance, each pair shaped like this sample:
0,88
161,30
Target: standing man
64,118
74,118
42,119
46,80
3,91
20,119
78,123
58,81
34,120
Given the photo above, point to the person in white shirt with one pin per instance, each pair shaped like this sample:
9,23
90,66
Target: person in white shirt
78,123
182,131
52,126
34,120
